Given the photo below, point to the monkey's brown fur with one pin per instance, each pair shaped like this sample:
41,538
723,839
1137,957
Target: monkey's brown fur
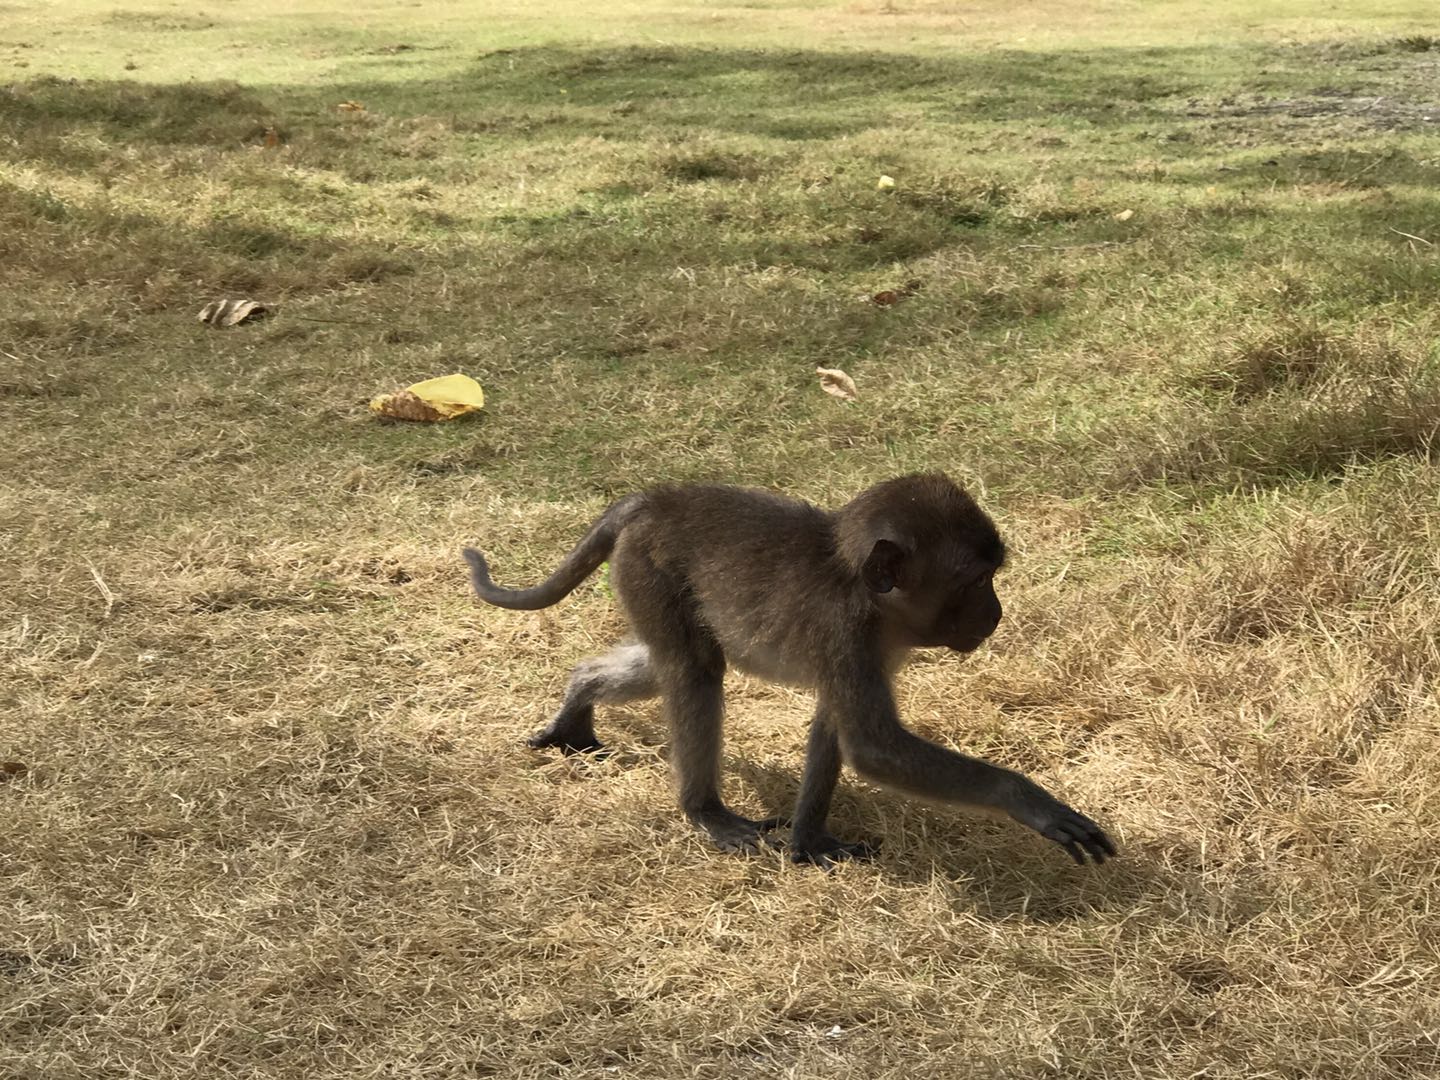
717,576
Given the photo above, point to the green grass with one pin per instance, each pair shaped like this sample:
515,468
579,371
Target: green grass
1175,323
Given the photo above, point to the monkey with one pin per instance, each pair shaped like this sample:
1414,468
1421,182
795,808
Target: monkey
712,577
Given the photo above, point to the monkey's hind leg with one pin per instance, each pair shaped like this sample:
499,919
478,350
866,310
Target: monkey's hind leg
623,674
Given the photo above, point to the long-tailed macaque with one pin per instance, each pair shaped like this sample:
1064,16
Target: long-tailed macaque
714,576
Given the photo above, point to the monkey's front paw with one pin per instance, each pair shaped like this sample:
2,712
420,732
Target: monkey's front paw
1077,834
731,832
567,742
826,851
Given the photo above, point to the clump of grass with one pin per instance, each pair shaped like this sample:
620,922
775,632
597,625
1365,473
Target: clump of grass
959,203
1297,355
168,114
1293,356
1299,399
1417,43
1287,436
697,167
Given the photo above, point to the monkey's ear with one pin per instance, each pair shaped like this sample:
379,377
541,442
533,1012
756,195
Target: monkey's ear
882,566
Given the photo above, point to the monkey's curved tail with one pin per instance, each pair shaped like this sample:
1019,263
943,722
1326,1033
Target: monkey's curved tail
582,561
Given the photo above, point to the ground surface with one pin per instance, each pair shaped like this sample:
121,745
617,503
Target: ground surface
266,809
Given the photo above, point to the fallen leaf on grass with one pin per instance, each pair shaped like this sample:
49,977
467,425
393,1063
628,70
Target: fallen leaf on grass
885,183
434,399
350,106
220,313
403,405
837,384
886,297
1124,215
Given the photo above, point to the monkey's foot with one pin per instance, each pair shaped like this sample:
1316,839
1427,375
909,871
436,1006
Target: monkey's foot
731,832
567,742
825,851
1073,831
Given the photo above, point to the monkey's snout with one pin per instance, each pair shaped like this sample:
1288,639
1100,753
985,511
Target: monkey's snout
968,643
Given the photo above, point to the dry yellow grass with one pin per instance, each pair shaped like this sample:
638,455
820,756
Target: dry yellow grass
268,812
270,827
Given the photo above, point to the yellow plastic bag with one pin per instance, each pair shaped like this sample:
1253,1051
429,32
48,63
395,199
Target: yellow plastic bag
434,399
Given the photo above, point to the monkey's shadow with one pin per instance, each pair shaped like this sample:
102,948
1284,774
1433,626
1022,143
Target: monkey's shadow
1006,871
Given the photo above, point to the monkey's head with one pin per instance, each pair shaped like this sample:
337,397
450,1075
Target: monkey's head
926,554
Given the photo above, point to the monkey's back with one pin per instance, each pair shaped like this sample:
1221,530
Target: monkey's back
756,568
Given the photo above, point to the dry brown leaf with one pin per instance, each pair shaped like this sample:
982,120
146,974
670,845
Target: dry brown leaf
886,297
350,106
837,384
220,313
403,405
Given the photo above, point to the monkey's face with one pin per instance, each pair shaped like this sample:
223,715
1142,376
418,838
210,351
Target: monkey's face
973,613
950,604
959,614
929,562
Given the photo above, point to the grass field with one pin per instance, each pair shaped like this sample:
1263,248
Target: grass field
265,809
